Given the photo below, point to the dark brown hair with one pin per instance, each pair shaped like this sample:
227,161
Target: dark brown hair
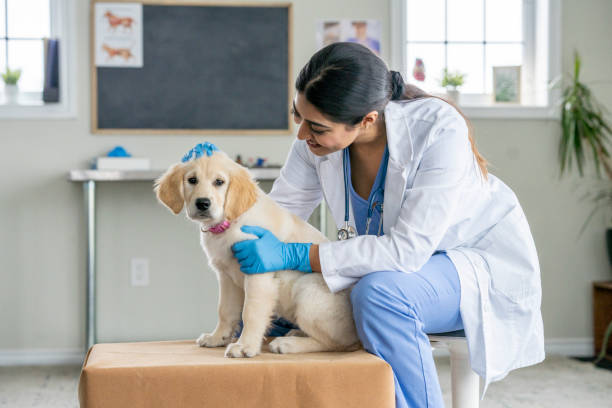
345,81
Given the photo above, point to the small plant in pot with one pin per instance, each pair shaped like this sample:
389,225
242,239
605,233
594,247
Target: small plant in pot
452,81
11,88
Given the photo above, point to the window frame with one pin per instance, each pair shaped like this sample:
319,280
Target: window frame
63,27
550,38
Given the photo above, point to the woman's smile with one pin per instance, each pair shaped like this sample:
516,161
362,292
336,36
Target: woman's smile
312,143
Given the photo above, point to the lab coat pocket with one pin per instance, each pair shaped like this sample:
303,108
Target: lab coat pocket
508,250
510,326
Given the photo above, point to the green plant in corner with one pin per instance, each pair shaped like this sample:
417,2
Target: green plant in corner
11,77
584,127
583,123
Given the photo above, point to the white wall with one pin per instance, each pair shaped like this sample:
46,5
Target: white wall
42,234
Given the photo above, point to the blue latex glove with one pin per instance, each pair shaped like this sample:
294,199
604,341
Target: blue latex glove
267,253
199,151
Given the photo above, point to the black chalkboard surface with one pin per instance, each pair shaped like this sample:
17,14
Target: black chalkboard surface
206,69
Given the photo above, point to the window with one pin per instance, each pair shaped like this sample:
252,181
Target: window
472,37
24,25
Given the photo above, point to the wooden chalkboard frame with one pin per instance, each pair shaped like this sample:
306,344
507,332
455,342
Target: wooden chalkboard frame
94,76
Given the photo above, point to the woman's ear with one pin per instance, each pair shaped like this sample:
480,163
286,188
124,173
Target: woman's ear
369,119
169,188
241,193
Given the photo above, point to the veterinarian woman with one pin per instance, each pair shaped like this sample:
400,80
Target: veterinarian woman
452,249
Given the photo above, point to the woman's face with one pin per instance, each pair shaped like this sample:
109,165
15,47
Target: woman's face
322,135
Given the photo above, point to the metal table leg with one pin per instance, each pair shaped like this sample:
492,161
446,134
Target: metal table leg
90,203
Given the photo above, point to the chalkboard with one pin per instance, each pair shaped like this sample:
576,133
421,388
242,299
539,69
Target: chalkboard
206,69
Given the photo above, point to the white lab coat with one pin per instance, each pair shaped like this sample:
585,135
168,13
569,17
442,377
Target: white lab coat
436,199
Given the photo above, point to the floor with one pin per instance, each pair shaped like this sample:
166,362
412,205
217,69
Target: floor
558,382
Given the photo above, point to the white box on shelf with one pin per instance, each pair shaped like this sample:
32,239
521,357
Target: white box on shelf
122,163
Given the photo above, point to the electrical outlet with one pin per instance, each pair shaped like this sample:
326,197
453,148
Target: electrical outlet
140,272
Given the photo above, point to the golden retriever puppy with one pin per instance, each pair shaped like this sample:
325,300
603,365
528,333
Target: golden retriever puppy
221,196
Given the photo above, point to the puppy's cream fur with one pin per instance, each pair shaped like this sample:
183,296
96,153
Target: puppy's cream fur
325,319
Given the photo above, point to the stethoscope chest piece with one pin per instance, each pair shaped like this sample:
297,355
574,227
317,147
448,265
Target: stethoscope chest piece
346,232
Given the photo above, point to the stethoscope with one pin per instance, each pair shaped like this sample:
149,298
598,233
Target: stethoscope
348,231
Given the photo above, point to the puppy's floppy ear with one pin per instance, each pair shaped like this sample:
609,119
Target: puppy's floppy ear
241,193
169,188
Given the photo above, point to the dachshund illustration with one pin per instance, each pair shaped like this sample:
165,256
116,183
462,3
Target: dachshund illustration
126,53
115,21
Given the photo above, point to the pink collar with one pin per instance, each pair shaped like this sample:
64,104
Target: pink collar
219,228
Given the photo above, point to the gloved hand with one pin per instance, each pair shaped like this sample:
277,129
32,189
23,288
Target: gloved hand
267,253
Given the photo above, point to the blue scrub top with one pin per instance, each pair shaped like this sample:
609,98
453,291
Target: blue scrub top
360,206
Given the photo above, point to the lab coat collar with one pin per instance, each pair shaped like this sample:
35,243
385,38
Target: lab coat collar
399,138
401,154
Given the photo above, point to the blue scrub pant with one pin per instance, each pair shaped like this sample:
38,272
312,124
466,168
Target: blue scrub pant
394,312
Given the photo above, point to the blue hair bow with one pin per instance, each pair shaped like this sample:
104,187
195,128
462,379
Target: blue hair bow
199,151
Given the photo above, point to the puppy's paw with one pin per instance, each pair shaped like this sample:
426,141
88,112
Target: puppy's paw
211,340
283,345
241,350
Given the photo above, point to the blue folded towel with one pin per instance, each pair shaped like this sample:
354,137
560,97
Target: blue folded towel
51,85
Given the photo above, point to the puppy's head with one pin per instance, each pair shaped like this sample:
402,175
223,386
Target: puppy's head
211,188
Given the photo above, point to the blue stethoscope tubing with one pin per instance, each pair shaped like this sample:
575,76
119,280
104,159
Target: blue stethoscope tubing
348,231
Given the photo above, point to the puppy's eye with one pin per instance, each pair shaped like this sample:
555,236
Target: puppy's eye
192,180
219,182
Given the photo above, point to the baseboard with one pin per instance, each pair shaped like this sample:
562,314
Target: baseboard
575,347
23,357
571,347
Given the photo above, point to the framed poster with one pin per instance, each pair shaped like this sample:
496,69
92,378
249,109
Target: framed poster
118,41
365,32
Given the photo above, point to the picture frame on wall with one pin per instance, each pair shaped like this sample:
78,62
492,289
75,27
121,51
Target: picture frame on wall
365,32
507,84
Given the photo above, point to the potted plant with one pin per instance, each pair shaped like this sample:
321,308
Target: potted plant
584,128
11,89
452,81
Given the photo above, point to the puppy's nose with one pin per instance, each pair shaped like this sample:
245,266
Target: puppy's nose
202,204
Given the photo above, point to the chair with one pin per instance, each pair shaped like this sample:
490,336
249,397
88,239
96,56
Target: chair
465,383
